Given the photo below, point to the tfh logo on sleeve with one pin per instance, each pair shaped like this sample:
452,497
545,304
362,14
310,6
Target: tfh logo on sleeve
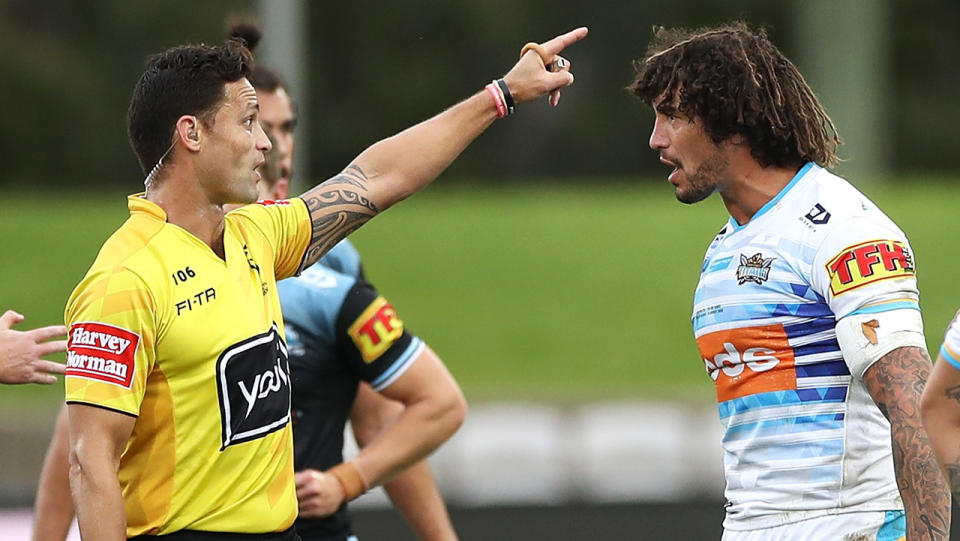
102,352
377,328
869,262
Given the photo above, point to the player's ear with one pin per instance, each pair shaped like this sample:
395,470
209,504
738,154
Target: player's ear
189,131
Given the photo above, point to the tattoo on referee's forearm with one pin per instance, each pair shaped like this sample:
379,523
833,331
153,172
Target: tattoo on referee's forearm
352,175
336,210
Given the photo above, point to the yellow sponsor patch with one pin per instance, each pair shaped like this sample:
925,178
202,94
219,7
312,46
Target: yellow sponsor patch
869,262
377,328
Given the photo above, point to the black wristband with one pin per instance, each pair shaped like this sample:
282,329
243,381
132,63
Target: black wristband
507,97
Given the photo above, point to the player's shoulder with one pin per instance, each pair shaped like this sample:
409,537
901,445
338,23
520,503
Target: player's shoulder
314,300
343,258
829,206
131,249
316,281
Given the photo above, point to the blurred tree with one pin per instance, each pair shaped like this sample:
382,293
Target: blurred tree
374,68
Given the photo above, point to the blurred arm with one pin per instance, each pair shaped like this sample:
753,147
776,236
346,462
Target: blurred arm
97,439
412,491
434,408
895,383
21,352
399,166
53,508
941,419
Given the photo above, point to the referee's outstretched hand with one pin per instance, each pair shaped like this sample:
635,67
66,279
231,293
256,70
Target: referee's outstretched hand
541,70
21,352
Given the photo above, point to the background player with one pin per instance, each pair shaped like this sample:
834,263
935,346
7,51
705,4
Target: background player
328,360
941,406
155,363
21,352
806,314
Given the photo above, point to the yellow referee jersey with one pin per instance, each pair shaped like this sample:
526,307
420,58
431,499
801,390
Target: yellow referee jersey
191,345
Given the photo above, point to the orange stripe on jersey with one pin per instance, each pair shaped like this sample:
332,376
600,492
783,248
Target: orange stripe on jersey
748,361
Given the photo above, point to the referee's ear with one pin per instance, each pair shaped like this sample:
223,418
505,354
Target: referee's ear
189,132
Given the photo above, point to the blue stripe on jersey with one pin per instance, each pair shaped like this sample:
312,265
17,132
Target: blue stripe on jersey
781,398
806,476
805,328
789,425
894,527
401,360
831,368
887,307
768,452
719,264
816,347
947,356
760,311
794,451
796,178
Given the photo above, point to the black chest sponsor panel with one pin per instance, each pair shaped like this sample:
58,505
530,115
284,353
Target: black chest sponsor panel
253,385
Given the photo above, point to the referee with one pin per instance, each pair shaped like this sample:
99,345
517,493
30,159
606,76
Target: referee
177,384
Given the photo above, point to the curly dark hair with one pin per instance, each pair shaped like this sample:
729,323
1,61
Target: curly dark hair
738,83
184,80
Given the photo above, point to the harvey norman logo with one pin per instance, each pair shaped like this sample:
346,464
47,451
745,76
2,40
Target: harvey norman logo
102,352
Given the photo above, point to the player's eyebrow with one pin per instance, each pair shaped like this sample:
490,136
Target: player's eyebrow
665,108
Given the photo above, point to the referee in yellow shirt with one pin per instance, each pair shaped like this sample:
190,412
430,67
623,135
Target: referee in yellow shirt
177,383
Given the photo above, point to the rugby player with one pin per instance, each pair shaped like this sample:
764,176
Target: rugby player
21,352
941,406
806,314
177,383
342,337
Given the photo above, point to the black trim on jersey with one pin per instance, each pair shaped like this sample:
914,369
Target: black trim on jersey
303,258
357,300
290,534
102,407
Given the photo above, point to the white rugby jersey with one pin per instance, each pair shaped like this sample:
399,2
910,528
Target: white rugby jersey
950,349
803,437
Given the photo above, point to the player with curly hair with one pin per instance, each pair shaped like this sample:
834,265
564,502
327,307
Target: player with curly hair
807,310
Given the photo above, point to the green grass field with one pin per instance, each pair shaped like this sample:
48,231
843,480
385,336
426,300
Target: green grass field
540,291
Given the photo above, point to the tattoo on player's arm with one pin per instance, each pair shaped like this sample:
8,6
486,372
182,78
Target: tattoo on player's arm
953,470
337,208
896,383
953,393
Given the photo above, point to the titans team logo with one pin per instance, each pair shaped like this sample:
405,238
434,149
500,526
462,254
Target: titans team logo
754,269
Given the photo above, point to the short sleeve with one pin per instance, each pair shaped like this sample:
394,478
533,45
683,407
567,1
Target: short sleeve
286,226
373,338
865,265
950,349
110,343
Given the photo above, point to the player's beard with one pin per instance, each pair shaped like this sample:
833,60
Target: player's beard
704,180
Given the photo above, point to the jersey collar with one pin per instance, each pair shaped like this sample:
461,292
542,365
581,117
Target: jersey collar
138,203
734,226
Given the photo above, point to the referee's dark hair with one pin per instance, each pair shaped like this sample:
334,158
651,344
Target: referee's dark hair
737,82
184,80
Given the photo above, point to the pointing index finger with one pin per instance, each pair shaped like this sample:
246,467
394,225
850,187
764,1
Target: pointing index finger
561,42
